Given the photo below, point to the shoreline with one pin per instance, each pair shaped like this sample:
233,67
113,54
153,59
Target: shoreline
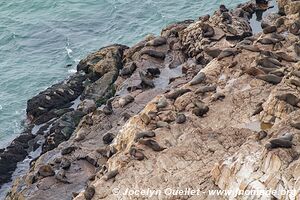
104,79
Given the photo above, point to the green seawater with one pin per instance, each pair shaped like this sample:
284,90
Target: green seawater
42,41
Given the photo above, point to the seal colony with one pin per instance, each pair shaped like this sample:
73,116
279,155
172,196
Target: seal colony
208,104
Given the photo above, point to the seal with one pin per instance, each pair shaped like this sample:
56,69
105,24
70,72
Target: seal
228,52
177,93
68,150
108,138
277,36
269,29
270,78
226,18
65,163
128,69
223,8
295,124
201,109
295,28
252,48
269,63
152,144
286,57
162,103
154,54
268,41
158,41
136,154
111,174
145,134
154,72
61,177
89,193
146,82
289,98
261,135
205,89
207,30
295,82
213,52
254,71
296,73
199,78
279,143
297,48
123,101
180,118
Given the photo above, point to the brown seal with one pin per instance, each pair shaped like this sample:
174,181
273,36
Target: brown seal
145,134
270,78
177,93
151,144
199,78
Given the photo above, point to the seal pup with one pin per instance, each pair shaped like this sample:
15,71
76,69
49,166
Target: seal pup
89,193
146,82
199,78
269,63
223,8
61,176
297,48
158,41
289,98
162,103
286,57
152,144
270,78
201,109
145,134
108,138
154,54
205,89
177,93
128,69
180,118
136,154
154,72
111,174
213,52
295,125
228,52
123,101
207,30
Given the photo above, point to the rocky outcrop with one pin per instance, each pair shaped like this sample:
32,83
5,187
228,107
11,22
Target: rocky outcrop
206,105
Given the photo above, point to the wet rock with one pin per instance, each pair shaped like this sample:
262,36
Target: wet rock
199,78
108,138
45,171
89,193
151,144
145,134
180,119
123,101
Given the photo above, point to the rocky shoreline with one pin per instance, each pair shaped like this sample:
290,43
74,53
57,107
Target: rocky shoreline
208,104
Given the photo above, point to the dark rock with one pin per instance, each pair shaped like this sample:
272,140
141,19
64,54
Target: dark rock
180,119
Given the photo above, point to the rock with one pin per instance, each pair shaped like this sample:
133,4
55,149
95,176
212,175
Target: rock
151,144
89,193
123,101
199,78
45,171
180,119
108,138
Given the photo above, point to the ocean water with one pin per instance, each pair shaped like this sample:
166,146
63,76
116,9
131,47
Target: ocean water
42,41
